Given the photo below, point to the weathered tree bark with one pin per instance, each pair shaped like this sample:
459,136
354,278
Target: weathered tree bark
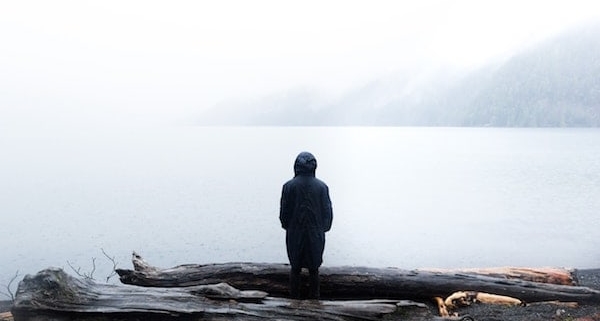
354,282
54,295
540,275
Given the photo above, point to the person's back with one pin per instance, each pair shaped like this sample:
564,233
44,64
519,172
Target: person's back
306,215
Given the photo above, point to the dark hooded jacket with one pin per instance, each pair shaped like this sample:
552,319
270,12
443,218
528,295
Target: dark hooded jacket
305,214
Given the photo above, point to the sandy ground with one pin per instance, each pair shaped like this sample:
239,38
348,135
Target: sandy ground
533,312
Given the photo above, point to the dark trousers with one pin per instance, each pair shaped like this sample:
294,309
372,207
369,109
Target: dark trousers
313,283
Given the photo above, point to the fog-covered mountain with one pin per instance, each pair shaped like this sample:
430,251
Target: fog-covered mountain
556,83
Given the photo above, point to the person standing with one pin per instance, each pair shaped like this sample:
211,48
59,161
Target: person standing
306,214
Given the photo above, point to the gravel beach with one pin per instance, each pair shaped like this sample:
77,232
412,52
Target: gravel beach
531,312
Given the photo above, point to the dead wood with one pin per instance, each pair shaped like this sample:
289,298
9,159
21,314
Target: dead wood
354,282
54,295
6,316
550,275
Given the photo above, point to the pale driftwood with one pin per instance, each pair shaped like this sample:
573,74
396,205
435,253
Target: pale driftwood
462,298
550,275
54,295
354,282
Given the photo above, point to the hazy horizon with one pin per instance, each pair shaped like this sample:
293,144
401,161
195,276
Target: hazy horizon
152,62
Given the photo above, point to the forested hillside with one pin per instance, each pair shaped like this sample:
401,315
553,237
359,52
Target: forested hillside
557,84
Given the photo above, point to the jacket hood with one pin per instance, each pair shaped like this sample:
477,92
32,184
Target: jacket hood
305,164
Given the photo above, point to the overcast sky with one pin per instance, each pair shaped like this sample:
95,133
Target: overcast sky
106,61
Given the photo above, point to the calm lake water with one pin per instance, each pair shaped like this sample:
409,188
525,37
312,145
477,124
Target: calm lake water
403,197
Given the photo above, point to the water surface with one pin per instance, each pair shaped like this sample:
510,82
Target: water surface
404,197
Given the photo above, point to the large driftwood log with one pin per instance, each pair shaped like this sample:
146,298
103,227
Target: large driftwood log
354,282
54,295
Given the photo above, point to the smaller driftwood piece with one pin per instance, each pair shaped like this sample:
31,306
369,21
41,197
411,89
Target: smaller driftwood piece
54,295
6,316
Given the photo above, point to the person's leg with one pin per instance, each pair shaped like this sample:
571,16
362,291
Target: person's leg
295,283
314,287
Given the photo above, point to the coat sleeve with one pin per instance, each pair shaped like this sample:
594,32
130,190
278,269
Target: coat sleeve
327,210
284,212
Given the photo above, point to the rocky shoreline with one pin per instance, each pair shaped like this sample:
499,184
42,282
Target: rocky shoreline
534,312
530,312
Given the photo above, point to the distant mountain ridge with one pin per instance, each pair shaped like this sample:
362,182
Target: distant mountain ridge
555,84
